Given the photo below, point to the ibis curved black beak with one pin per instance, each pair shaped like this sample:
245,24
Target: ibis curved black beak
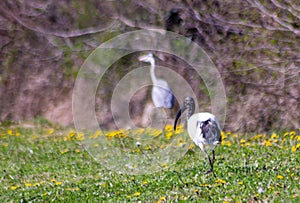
179,113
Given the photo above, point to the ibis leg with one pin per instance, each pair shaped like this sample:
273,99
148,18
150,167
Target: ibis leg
213,156
211,170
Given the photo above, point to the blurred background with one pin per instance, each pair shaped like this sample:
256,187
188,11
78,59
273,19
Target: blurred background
255,46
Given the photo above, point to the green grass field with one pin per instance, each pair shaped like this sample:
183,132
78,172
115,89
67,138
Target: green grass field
48,164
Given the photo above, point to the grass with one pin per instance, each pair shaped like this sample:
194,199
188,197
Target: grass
48,164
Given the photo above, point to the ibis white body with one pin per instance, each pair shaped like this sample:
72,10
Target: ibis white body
204,129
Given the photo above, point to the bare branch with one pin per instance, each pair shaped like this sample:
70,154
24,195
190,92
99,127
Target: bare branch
147,6
236,22
41,6
266,12
279,5
293,6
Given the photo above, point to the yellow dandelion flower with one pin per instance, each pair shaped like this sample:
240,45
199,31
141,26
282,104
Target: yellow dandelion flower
267,143
192,146
196,191
169,135
220,181
136,194
5,144
139,131
145,183
168,128
96,145
285,134
240,183
296,147
64,151
247,144
148,147
96,134
256,137
223,135
122,135
297,137
161,199
58,183
50,131
80,136
72,133
17,134
10,131
70,136
164,165
292,133
36,184
13,187
274,136
184,197
155,133
110,134
28,184
280,177
242,141
226,143
206,185
77,150
178,131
